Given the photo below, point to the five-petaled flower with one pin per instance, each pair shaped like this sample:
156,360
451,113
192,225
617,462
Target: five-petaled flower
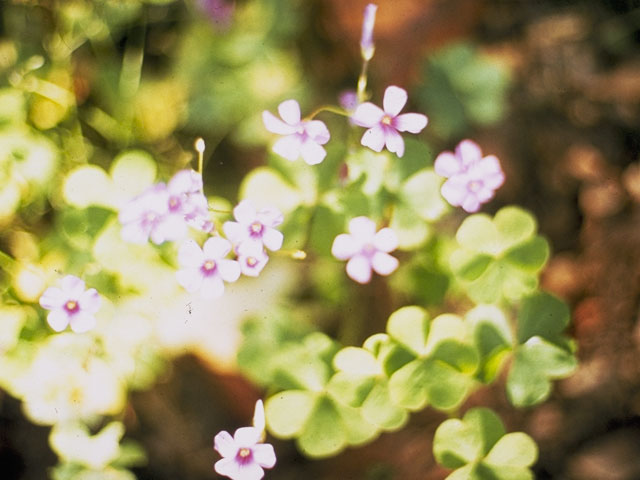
255,227
302,137
384,125
252,258
472,178
365,249
206,269
244,457
71,304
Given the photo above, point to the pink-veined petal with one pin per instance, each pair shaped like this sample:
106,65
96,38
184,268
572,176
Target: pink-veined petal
395,98
367,115
468,152
52,298
58,320
383,263
264,455
317,131
454,190
82,322
385,240
410,122
215,248
190,254
270,217
471,204
447,164
229,270
362,229
272,239
234,231
245,212
247,436
289,110
212,287
228,467
288,147
344,247
311,152
394,141
190,279
89,301
359,269
72,286
374,138
275,125
225,445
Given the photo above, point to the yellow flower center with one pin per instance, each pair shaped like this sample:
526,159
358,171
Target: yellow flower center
256,227
251,261
209,265
244,452
387,120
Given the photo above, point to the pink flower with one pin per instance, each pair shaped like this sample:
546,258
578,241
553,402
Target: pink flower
244,458
365,249
384,125
302,137
366,40
206,269
141,217
187,201
472,179
71,305
255,226
252,258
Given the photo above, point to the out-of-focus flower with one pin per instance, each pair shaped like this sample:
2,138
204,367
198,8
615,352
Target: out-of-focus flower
218,11
71,304
367,47
255,227
384,125
252,258
74,444
162,212
365,249
472,178
244,457
206,269
302,137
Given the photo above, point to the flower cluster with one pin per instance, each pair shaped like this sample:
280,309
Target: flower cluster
163,212
472,178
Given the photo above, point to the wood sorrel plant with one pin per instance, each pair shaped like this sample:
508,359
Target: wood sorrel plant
331,193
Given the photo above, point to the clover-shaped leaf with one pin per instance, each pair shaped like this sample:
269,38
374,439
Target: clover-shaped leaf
499,257
478,448
493,339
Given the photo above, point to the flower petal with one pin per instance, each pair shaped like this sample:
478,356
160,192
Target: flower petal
394,141
225,445
288,147
468,152
258,416
72,286
383,263
394,100
169,228
185,181
250,471
374,138
410,122
447,164
190,279
52,298
455,190
363,229
190,254
275,125
264,455
312,153
229,270
212,287
270,217
272,239
359,269
216,247
385,240
229,468
318,131
234,231
289,110
58,320
344,247
89,301
245,212
471,204
367,115
82,322
134,233
247,436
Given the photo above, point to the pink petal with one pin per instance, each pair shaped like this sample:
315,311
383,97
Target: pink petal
89,301
484,194
245,212
225,445
190,254
363,229
134,233
454,190
317,131
58,320
471,204
250,471
447,164
312,153
212,287
270,217
383,263
410,122
394,141
264,455
229,270
289,110
288,147
258,416
468,152
374,138
247,436
185,181
171,227
190,279
344,247
229,468
385,240
234,231
394,100
275,125
82,322
490,171
72,286
367,115
359,269
253,270
52,298
216,247
272,239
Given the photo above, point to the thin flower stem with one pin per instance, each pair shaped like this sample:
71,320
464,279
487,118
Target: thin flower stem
362,82
294,254
328,108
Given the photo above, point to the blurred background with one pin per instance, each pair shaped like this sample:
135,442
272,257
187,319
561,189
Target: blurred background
551,87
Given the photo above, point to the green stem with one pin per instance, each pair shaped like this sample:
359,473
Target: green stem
362,82
327,108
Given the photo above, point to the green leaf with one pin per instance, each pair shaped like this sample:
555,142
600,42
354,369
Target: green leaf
266,185
542,314
88,185
469,265
326,225
132,172
479,234
410,326
411,231
492,337
417,156
356,361
349,388
515,449
379,409
422,193
530,255
514,225
287,412
324,433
